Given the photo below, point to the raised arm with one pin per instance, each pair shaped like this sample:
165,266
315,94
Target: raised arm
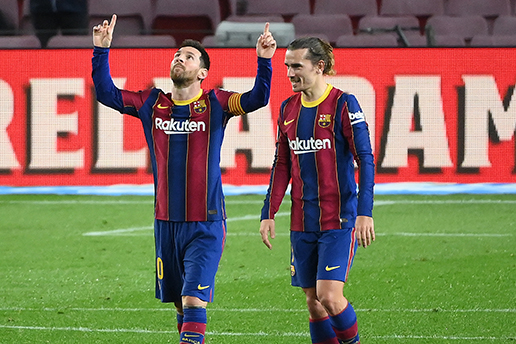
259,95
106,91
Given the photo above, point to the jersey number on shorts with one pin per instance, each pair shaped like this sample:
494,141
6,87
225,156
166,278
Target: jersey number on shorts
159,268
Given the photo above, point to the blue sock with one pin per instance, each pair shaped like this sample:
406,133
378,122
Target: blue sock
345,326
194,326
321,331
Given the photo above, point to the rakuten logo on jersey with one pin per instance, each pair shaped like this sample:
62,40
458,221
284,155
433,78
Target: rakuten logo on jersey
172,126
308,146
356,117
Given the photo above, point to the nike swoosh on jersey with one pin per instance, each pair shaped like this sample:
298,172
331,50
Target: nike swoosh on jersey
328,268
287,123
200,287
162,107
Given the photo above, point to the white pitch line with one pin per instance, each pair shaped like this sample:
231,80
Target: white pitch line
445,234
145,331
261,310
138,229
94,202
438,310
118,231
437,202
233,202
84,329
440,337
104,202
134,231
112,201
241,334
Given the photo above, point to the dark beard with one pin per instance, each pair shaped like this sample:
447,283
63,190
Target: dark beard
181,80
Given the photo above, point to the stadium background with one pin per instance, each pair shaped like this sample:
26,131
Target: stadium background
436,115
79,268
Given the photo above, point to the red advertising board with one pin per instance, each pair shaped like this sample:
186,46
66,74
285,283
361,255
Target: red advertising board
436,115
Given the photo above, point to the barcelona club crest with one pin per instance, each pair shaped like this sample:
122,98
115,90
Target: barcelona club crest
324,121
199,106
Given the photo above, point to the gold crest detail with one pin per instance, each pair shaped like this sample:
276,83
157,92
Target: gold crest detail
199,106
324,121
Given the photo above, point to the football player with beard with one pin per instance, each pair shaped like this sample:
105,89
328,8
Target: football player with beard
184,131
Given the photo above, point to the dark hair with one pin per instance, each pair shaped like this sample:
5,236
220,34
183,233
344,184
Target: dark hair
318,50
205,58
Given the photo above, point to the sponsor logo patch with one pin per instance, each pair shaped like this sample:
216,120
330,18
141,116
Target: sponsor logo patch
310,145
172,126
330,268
285,122
356,117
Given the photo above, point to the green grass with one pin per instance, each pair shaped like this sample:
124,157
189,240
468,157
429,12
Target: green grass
80,269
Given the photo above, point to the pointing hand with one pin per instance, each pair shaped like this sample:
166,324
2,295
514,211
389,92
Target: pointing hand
103,33
266,45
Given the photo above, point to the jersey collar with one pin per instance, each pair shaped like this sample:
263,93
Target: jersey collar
318,101
186,102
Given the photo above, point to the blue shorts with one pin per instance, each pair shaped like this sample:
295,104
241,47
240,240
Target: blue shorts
187,258
324,255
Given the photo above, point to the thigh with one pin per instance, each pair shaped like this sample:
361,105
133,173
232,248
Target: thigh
202,257
187,258
336,253
303,260
169,267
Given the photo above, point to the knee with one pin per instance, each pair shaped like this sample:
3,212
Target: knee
312,301
315,308
332,303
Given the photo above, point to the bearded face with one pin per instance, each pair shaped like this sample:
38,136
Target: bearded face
180,76
185,67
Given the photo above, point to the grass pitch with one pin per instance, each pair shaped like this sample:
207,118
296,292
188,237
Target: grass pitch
80,269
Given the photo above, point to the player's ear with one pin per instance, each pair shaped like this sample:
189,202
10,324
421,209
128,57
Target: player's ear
202,74
320,66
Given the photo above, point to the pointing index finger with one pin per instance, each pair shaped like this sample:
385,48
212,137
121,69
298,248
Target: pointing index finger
113,21
266,30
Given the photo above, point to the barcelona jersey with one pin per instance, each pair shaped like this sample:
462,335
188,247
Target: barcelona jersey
184,138
317,146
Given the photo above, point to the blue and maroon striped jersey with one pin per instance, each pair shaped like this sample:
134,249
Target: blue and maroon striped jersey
317,145
184,138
